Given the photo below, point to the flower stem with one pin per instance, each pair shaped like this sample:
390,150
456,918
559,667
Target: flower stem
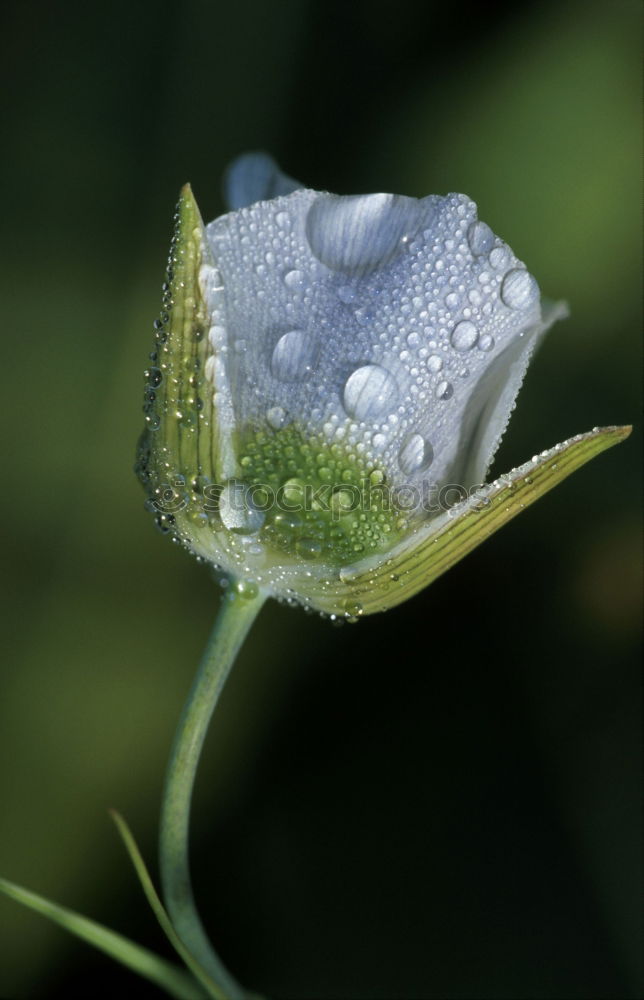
240,607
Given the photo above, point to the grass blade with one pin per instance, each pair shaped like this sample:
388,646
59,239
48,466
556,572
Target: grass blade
170,978
160,913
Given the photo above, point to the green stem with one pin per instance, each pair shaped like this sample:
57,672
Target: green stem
240,607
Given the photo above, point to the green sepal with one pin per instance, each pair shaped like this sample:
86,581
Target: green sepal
183,441
175,981
381,582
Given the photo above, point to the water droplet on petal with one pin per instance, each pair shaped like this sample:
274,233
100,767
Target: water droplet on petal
480,238
486,342
217,336
370,392
294,492
444,390
294,279
464,336
283,221
308,548
353,610
358,233
413,339
294,355
346,294
498,257
519,289
434,363
236,508
276,417
416,454
365,315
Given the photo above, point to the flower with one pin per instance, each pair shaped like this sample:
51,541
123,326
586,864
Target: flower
330,381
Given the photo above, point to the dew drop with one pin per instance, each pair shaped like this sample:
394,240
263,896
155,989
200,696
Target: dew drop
283,220
246,589
217,336
464,336
519,289
434,363
286,522
294,279
416,454
444,390
486,342
365,315
413,339
359,233
294,355
352,610
343,501
154,376
236,509
276,417
346,294
480,238
369,392
308,548
293,492
498,257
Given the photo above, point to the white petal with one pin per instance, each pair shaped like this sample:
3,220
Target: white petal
400,328
255,177
493,398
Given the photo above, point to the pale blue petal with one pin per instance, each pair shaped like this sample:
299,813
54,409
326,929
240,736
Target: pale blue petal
399,328
255,177
493,399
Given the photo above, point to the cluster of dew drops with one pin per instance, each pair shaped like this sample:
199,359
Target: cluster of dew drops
458,297
153,376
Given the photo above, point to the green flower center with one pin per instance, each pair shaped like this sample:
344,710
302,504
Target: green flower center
318,501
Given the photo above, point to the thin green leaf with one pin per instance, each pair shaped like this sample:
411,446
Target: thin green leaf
173,980
152,897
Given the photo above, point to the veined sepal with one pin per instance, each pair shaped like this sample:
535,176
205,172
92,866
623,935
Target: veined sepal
377,584
187,440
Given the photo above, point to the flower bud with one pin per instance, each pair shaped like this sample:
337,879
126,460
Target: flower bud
330,380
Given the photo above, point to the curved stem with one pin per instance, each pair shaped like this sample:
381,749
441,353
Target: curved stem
239,609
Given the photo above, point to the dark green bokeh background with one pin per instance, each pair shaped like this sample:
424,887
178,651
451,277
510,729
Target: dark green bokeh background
443,801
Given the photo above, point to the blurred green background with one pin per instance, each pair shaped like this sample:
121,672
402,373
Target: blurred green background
443,801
